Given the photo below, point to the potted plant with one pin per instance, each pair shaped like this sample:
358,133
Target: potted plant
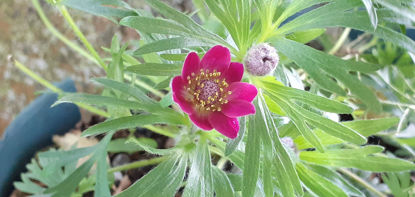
252,107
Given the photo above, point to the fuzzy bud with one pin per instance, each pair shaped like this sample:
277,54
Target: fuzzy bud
261,59
289,143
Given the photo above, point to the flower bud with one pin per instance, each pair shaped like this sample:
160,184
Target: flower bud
289,142
261,59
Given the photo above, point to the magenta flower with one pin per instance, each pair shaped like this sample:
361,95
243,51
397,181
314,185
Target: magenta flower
211,93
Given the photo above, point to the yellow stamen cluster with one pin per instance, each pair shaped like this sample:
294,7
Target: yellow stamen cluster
208,90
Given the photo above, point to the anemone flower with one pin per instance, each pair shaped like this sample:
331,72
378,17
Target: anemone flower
211,93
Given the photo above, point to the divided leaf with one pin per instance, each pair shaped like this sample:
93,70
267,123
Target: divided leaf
361,158
163,180
200,181
318,184
364,127
303,119
320,66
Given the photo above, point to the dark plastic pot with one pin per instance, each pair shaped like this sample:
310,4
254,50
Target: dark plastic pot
31,131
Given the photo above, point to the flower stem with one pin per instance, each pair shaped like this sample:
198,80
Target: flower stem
144,85
55,89
81,36
138,164
340,41
36,77
362,182
60,36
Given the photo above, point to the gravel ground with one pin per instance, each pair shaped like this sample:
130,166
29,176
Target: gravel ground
24,37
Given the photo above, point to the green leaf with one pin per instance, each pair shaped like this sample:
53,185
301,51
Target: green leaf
28,186
121,145
156,69
233,144
343,13
170,43
237,20
123,123
162,181
154,25
60,158
398,183
304,97
336,179
273,107
187,22
236,181
110,9
222,184
200,182
361,158
147,103
149,148
174,57
126,89
317,64
371,10
167,100
252,158
102,185
303,118
69,185
92,99
364,127
115,69
399,7
306,36
283,164
297,6
318,184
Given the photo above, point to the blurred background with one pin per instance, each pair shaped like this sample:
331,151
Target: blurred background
24,37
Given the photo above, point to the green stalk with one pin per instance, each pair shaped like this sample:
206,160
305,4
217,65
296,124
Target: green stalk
362,182
60,36
81,36
365,47
36,77
340,41
144,85
138,164
55,89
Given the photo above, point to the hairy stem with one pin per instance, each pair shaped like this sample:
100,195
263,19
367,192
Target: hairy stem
138,164
144,85
340,41
59,35
362,182
81,36
55,89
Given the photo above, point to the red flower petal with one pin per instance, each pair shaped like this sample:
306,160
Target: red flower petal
201,121
235,72
177,86
229,127
242,91
236,108
217,58
191,64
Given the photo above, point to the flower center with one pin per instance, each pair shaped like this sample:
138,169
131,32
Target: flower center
208,90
